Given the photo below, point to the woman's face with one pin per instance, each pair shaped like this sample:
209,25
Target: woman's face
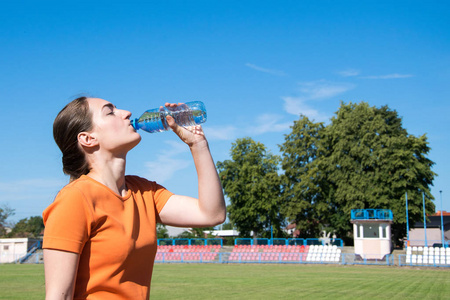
112,127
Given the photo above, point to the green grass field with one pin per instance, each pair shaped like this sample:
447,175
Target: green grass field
248,281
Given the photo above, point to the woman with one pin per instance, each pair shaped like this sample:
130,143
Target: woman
100,235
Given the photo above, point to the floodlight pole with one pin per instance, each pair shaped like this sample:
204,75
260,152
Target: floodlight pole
424,219
442,221
407,221
271,234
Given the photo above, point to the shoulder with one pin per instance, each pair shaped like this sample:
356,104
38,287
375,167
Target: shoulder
71,200
80,192
83,187
141,185
135,179
76,190
133,182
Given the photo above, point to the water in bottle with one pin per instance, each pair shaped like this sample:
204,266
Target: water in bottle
187,114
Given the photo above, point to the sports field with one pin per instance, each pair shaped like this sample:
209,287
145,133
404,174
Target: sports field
265,281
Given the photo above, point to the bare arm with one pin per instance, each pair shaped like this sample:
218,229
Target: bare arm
209,209
60,272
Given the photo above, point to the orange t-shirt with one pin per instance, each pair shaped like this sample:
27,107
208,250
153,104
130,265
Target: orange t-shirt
115,236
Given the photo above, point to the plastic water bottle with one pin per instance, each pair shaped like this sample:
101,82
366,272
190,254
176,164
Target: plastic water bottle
154,120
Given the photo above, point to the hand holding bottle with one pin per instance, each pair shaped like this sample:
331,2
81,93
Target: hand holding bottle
191,135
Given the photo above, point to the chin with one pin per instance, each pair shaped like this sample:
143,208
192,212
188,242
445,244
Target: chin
137,141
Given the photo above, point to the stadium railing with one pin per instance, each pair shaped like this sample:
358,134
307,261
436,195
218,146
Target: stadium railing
371,214
189,242
291,241
31,250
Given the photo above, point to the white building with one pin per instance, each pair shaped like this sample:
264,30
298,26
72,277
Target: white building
372,232
12,250
433,234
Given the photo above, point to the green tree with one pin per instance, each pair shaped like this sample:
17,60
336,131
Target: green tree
305,187
31,227
371,161
161,231
5,213
227,226
363,159
196,233
251,181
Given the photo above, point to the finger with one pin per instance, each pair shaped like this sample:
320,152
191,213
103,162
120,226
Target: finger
196,129
171,121
175,127
167,104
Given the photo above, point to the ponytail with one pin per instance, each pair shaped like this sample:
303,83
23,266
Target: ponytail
74,118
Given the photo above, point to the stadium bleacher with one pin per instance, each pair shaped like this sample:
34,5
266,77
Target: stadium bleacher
286,253
251,253
186,253
427,256
268,253
324,254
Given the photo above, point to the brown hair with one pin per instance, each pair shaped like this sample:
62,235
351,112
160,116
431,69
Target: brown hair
74,118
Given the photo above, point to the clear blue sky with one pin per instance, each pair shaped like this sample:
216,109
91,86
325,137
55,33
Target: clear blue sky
255,64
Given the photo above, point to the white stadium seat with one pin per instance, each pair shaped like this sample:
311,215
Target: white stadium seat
419,259
408,258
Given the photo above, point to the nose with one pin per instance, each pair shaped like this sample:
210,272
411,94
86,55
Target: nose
126,114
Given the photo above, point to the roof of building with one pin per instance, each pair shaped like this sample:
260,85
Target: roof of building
434,221
444,213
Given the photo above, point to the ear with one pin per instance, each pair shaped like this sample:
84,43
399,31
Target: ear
87,139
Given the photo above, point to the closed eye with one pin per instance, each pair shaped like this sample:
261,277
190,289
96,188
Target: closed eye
110,107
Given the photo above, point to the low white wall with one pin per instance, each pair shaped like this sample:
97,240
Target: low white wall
372,248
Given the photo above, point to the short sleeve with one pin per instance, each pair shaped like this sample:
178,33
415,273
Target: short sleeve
67,221
150,191
162,195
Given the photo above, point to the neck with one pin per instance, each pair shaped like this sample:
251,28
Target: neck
110,172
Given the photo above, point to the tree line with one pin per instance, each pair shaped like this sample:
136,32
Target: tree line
31,227
363,159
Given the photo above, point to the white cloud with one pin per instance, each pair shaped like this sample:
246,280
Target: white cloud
268,123
164,168
30,189
349,73
322,89
261,124
354,72
264,123
220,133
313,91
29,197
264,70
167,163
389,76
297,106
